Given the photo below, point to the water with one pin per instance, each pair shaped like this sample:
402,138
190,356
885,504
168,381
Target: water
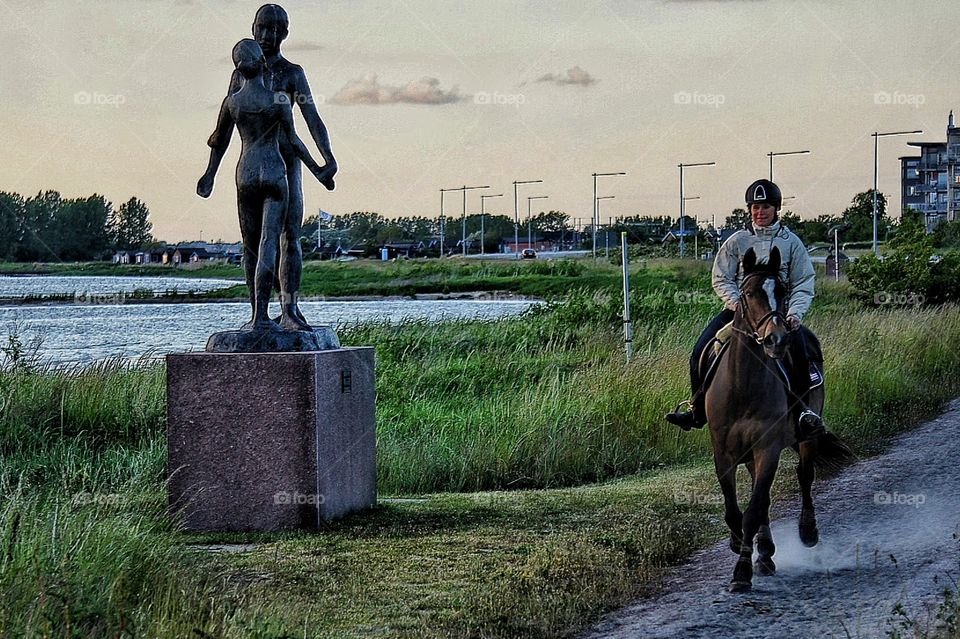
83,333
100,289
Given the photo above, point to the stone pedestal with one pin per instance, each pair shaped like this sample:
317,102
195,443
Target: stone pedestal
270,441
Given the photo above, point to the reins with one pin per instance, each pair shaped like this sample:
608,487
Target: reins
754,333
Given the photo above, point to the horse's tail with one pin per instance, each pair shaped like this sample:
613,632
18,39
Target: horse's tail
832,453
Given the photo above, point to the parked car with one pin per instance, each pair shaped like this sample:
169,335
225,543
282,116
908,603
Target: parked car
528,254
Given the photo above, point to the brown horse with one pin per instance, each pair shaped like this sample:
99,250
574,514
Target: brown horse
753,415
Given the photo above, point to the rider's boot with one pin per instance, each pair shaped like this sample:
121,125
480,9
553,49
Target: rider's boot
810,425
687,420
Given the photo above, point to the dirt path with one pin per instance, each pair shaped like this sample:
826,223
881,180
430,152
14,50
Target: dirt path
888,536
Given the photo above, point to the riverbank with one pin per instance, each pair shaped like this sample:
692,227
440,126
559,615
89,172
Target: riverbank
208,298
373,279
469,413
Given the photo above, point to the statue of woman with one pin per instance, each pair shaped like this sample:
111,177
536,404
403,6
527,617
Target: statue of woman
260,115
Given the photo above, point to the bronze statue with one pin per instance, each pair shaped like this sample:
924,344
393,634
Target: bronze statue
271,233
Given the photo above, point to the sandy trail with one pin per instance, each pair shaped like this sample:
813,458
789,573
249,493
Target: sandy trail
888,536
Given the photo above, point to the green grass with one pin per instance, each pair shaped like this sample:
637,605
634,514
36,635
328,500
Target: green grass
225,271
544,402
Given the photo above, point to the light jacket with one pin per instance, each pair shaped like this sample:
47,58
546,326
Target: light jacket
796,268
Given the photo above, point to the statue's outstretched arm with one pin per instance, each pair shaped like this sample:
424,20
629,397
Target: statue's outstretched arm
318,130
324,175
218,143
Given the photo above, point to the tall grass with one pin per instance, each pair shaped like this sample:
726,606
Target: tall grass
87,547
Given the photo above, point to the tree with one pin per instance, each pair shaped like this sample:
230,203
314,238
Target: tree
129,226
80,228
551,222
35,228
859,215
947,234
11,211
738,219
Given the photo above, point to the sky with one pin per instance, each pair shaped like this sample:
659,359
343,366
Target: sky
118,98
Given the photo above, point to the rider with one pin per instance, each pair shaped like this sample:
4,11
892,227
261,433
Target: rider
763,200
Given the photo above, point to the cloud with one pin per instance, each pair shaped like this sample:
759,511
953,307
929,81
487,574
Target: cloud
574,75
368,90
302,45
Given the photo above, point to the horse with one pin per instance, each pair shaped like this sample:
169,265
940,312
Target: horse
752,414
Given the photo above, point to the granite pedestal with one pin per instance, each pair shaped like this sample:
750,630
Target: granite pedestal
270,441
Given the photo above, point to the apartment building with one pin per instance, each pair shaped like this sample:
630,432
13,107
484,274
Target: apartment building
929,182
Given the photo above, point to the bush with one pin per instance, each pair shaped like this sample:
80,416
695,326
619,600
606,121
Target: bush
914,272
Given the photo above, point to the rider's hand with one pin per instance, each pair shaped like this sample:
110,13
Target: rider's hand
793,322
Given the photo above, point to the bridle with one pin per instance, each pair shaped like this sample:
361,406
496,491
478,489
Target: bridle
754,332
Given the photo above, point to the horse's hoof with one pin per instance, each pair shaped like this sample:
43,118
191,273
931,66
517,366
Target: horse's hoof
809,537
740,586
765,567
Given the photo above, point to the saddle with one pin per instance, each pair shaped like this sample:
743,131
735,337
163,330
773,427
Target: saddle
714,352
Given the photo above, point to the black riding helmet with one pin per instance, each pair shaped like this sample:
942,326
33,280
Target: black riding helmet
764,192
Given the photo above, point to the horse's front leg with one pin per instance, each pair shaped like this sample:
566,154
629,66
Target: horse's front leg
727,475
755,520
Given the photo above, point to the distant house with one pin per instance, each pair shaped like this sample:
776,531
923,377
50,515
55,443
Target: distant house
538,243
122,257
391,250
154,256
674,235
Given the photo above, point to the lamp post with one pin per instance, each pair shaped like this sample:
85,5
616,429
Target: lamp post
683,166
464,190
876,169
531,198
596,214
773,154
696,231
443,220
483,201
516,213
836,229
607,232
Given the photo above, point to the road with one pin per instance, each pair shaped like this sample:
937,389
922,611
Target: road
888,538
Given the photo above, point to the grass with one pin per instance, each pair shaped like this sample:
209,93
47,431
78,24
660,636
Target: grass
468,413
224,271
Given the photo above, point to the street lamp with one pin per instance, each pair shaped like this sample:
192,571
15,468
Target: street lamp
606,233
876,170
773,154
464,189
443,220
836,229
696,231
483,200
596,214
682,203
531,198
516,213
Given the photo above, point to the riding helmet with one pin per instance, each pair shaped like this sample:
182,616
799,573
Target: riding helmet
766,192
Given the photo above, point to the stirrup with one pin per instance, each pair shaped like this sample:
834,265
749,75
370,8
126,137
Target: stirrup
815,422
685,402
